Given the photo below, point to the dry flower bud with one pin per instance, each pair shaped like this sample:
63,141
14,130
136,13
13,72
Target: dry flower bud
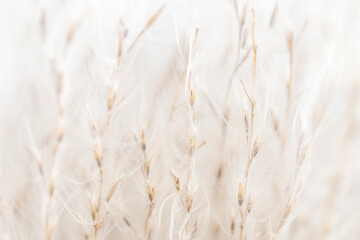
192,96
92,125
275,121
289,40
219,172
189,202
192,142
176,179
60,132
246,119
97,152
232,226
59,83
150,191
154,17
40,167
201,144
92,209
147,167
143,140
52,186
240,194
257,146
249,205
111,98
303,154
112,190
126,221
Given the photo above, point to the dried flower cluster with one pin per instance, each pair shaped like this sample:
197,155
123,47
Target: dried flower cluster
180,120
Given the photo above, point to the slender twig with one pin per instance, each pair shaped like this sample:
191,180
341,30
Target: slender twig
100,150
150,22
185,72
253,148
49,229
150,189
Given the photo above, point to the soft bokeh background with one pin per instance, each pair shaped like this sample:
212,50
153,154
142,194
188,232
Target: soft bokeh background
77,41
